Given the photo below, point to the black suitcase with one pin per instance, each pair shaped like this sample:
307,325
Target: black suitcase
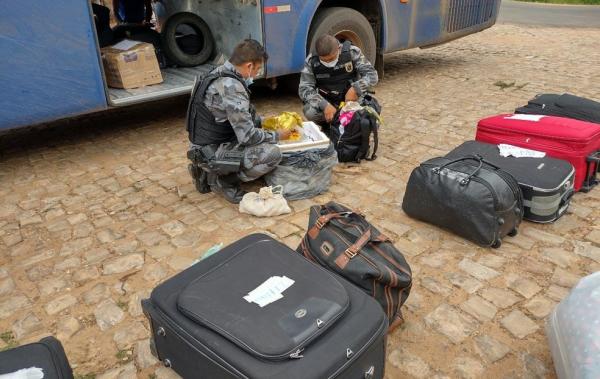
565,105
204,325
47,355
466,196
546,183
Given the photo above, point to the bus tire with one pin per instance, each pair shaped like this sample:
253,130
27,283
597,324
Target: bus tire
183,55
344,23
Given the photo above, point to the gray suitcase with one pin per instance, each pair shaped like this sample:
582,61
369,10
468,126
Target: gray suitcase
546,183
208,322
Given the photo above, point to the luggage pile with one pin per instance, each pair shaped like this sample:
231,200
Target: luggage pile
523,165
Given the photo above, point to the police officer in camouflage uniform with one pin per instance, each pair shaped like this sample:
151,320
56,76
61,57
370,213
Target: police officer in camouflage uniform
227,144
338,72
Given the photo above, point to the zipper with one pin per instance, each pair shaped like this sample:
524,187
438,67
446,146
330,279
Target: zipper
489,187
514,186
290,354
358,353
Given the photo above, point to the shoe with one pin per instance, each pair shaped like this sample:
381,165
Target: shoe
228,185
200,178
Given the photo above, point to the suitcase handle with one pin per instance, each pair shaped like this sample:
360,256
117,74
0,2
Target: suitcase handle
590,179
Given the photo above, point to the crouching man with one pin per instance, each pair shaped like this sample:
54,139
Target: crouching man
227,145
337,73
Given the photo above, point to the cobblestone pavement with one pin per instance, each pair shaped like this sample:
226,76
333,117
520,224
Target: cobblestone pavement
98,212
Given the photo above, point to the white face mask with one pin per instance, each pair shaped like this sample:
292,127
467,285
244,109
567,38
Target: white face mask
331,64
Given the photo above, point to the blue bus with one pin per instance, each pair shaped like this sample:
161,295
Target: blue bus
51,67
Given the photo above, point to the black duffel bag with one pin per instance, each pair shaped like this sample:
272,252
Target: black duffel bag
343,241
467,196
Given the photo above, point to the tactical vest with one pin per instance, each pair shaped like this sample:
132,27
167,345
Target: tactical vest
202,127
333,83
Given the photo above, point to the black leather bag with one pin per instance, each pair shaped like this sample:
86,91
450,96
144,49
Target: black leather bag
467,196
344,242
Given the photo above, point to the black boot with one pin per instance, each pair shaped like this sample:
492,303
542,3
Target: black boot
229,186
200,178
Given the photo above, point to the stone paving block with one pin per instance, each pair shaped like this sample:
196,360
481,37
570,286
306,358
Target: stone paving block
557,293
594,236
60,303
409,363
95,256
521,241
490,349
108,314
535,266
165,373
499,297
151,238
559,257
99,292
123,372
533,367
126,335
143,355
435,260
467,283
492,261
477,270
436,287
12,304
67,327
479,308
564,278
468,368
51,285
542,236
586,249
397,228
527,288
7,285
446,320
26,326
123,264
540,306
86,274
519,325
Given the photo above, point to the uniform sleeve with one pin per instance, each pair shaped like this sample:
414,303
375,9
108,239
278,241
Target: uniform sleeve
308,88
366,72
237,107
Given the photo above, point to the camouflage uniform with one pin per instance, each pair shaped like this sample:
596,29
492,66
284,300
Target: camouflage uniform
314,104
227,99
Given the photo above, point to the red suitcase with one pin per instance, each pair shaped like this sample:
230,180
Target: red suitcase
575,141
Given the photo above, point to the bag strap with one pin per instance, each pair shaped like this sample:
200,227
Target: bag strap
375,130
322,221
343,259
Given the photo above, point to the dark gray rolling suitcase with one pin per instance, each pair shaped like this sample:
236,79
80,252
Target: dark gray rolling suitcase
47,355
565,105
256,309
546,183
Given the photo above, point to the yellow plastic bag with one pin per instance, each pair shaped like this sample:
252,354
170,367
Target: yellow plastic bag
285,121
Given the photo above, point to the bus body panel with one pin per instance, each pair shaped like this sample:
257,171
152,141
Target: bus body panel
50,67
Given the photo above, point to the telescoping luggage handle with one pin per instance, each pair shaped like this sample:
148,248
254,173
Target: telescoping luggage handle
465,181
591,174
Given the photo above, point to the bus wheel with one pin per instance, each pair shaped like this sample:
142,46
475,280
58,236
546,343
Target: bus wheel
187,40
345,24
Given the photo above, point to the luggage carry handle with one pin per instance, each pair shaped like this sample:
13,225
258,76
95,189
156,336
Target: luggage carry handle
590,179
466,180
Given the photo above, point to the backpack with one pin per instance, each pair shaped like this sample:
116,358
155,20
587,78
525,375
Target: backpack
344,242
359,139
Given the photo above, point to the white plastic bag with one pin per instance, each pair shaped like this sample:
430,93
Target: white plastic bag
269,201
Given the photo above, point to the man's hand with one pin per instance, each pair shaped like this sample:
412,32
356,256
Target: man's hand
329,112
351,95
284,134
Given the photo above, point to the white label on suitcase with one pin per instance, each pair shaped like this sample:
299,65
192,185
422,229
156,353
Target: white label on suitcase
525,117
519,152
26,373
270,291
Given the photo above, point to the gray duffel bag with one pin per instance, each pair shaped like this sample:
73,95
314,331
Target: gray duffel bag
304,174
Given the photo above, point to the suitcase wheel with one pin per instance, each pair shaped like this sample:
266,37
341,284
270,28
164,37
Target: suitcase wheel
153,348
513,232
497,244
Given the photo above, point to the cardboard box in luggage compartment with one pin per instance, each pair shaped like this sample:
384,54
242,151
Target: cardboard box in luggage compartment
131,64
